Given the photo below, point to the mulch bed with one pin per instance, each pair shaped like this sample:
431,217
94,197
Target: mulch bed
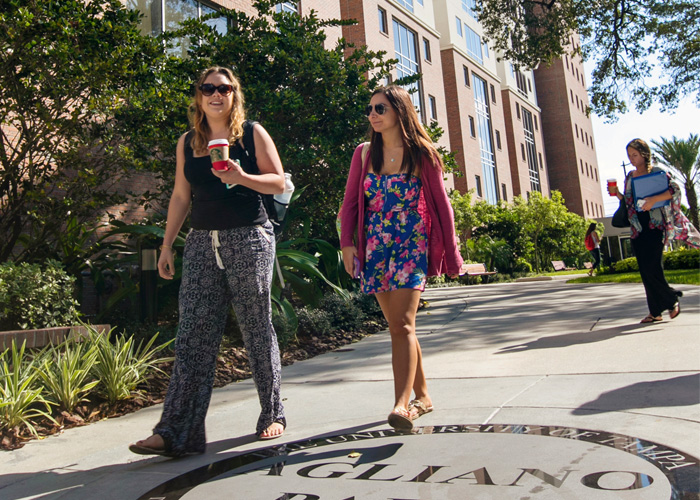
232,365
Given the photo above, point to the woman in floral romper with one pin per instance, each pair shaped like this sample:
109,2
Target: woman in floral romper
397,225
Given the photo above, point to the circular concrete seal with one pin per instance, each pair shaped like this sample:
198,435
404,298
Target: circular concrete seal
503,462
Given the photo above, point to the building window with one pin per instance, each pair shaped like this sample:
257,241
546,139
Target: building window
571,92
521,81
541,164
472,126
290,7
433,107
459,26
576,127
469,6
581,165
595,170
466,75
517,110
479,192
407,4
498,140
493,95
522,151
504,194
484,130
426,49
485,48
535,118
406,47
566,58
473,44
531,151
529,85
166,15
587,211
383,26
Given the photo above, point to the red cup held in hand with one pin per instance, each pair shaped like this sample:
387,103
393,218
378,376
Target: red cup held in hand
612,183
218,152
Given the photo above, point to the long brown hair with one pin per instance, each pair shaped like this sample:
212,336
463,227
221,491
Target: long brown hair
198,120
416,141
643,149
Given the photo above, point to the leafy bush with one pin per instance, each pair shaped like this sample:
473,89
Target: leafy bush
314,322
677,259
345,314
522,266
32,297
682,259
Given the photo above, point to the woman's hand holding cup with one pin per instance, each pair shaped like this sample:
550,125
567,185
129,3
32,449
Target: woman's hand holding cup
612,187
232,175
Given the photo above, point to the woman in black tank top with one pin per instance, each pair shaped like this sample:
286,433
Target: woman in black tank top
228,261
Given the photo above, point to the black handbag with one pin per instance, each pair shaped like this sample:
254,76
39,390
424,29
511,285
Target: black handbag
620,218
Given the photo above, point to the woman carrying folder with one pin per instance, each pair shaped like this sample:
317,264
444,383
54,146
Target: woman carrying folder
652,229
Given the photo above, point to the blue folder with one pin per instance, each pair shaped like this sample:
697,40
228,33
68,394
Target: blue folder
648,185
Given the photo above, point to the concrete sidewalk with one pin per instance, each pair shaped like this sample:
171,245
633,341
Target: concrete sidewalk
542,390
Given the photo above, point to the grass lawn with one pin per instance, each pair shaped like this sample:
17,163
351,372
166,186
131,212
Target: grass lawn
676,276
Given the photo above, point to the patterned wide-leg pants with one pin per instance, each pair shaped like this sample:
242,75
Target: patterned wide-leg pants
247,257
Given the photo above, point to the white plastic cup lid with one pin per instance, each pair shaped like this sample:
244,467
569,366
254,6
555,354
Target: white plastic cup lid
218,142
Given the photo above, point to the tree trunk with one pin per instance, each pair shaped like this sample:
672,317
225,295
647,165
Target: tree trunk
692,202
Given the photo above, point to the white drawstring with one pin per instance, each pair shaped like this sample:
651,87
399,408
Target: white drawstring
215,246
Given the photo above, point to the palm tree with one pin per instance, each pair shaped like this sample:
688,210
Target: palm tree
684,157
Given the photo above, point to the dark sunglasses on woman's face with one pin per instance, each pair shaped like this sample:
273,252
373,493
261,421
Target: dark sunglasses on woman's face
208,89
379,108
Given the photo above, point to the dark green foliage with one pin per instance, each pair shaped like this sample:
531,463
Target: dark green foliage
32,297
345,314
309,98
625,38
67,71
314,322
676,259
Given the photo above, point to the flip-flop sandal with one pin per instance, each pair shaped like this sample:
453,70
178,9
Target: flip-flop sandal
420,407
652,319
146,450
400,419
675,310
282,422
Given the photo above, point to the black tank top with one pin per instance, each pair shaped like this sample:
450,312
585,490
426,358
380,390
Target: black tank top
214,206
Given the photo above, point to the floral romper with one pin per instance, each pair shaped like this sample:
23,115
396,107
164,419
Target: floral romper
396,253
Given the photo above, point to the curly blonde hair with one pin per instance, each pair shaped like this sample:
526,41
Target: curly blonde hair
198,120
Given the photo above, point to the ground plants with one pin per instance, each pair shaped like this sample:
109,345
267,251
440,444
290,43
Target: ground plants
122,364
65,372
21,394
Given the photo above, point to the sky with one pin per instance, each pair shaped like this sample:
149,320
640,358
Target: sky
611,138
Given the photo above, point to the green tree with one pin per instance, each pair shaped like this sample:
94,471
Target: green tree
310,98
538,215
66,71
625,39
683,156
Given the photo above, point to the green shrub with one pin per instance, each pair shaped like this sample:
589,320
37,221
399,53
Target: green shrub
628,265
522,266
682,259
284,326
345,314
32,297
314,322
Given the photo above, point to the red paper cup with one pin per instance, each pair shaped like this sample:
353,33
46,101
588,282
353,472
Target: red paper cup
218,152
611,184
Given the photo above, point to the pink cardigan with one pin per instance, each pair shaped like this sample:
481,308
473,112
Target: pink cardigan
433,206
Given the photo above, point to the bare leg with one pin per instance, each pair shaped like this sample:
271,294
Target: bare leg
399,308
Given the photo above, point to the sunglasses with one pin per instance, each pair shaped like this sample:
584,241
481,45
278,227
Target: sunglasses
208,89
379,108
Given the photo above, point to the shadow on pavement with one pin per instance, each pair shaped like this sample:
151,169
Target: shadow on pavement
576,338
677,391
